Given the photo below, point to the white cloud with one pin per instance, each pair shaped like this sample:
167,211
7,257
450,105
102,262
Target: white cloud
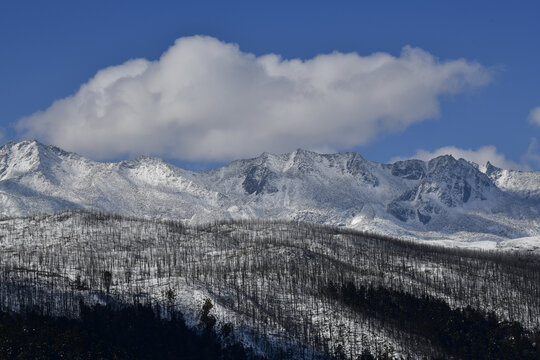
207,100
480,156
534,116
532,156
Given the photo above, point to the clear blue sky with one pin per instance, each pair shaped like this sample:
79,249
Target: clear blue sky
48,49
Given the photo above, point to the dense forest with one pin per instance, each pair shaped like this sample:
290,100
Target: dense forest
279,289
113,332
463,333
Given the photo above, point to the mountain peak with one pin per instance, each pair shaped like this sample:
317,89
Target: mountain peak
32,148
19,158
24,149
21,144
491,169
305,152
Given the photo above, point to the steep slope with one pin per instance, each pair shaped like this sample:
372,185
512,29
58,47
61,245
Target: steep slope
443,199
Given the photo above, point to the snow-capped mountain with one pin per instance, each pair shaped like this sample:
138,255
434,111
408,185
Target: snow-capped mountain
444,199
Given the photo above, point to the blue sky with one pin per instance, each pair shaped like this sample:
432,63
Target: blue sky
50,49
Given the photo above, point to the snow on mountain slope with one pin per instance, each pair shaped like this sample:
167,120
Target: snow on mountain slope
523,183
442,199
42,179
531,243
303,185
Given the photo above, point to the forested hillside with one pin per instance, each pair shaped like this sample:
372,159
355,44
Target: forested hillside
282,289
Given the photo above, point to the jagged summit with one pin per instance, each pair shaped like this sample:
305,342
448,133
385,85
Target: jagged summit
17,159
441,198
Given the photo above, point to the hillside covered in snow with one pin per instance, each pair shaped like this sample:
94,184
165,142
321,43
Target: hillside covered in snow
282,290
444,200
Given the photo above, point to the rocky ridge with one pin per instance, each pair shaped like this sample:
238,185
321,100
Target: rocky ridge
444,200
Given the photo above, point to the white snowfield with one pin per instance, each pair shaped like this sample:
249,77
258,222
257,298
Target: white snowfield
444,200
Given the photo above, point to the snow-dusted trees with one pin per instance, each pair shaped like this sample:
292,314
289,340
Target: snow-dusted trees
281,285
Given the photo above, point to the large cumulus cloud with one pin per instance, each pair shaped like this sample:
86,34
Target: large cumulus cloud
206,100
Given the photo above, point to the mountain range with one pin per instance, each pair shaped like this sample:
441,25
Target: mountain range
443,200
